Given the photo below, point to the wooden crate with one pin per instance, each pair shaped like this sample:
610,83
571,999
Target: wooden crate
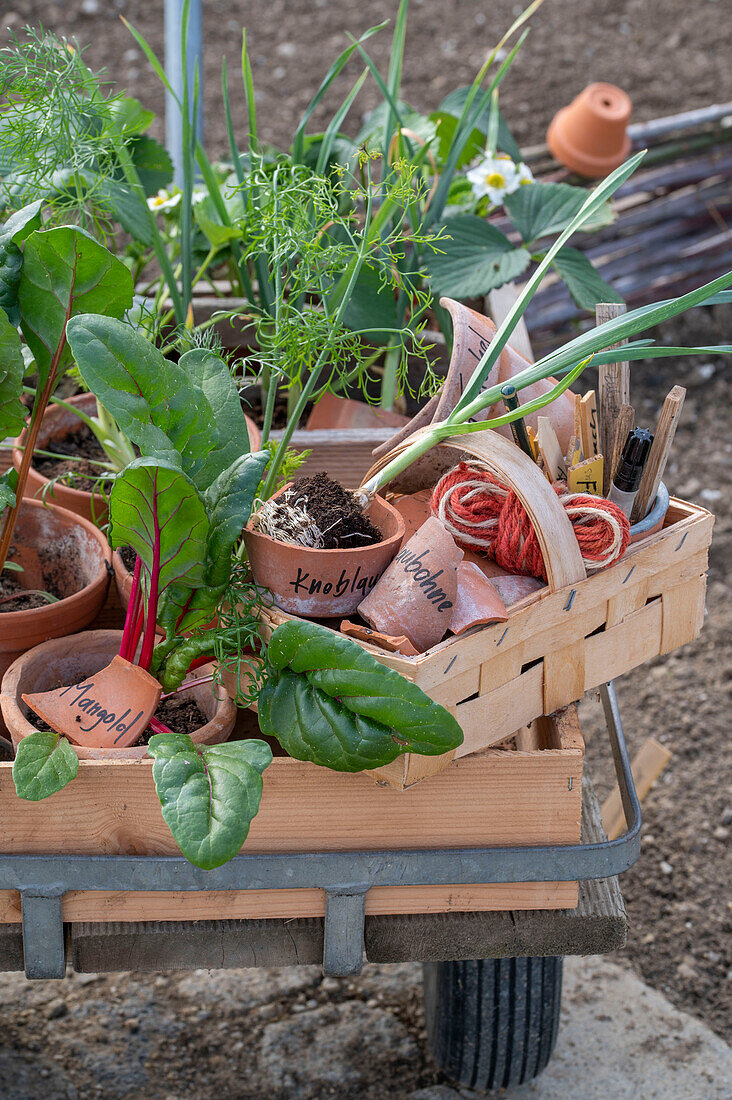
571,636
529,794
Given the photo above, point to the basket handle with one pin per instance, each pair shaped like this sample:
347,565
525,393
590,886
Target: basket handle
503,459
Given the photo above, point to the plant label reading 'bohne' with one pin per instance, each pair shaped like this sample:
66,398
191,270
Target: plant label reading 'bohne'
417,593
109,709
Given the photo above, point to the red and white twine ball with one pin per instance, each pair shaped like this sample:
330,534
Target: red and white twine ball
484,515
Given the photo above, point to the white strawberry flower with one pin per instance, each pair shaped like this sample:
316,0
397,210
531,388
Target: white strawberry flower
498,176
164,201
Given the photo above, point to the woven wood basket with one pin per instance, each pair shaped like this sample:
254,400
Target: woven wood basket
574,634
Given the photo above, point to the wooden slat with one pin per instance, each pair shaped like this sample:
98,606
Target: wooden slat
646,766
489,718
613,391
683,614
633,642
564,675
660,449
279,904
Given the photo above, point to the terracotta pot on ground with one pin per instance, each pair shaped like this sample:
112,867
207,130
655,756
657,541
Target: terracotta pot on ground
58,423
68,661
589,136
70,552
324,583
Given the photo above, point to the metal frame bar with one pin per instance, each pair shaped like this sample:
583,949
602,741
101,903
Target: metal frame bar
346,877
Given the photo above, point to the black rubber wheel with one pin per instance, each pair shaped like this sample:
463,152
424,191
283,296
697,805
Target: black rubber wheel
493,1023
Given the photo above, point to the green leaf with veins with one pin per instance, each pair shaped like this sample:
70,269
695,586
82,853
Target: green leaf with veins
44,763
208,794
329,701
66,272
154,401
544,209
12,232
584,283
8,483
13,412
157,510
209,372
152,163
477,259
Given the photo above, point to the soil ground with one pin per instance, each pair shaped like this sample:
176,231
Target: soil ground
667,54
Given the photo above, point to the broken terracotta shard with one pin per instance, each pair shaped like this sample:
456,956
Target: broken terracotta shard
417,593
477,600
108,710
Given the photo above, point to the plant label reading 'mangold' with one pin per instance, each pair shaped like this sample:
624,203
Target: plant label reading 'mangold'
417,593
108,710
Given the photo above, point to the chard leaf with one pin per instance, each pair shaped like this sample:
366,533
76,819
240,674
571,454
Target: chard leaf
156,509
229,501
152,399
12,233
12,368
584,283
208,794
209,372
66,272
152,163
8,483
329,701
44,763
476,259
541,209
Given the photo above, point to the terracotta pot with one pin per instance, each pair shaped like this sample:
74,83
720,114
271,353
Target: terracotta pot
62,661
324,583
83,575
344,412
58,423
589,136
122,579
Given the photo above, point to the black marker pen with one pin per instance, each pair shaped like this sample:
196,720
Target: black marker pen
627,478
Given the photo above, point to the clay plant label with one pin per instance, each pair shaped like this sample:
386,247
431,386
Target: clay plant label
417,593
109,710
477,600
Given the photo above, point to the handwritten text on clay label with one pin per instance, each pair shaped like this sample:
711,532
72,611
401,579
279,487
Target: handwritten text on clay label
83,701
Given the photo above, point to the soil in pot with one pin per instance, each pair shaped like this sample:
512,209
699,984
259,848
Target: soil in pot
179,712
54,574
334,511
85,452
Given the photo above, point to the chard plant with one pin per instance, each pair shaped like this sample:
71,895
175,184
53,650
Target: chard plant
182,506
47,277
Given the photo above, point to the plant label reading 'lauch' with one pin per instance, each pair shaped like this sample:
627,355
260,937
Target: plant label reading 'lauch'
109,710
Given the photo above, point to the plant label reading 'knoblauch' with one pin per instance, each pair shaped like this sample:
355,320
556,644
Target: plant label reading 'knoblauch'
417,593
108,710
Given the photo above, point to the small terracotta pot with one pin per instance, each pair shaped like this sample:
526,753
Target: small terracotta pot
58,423
64,661
122,579
83,574
324,583
590,135
344,412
